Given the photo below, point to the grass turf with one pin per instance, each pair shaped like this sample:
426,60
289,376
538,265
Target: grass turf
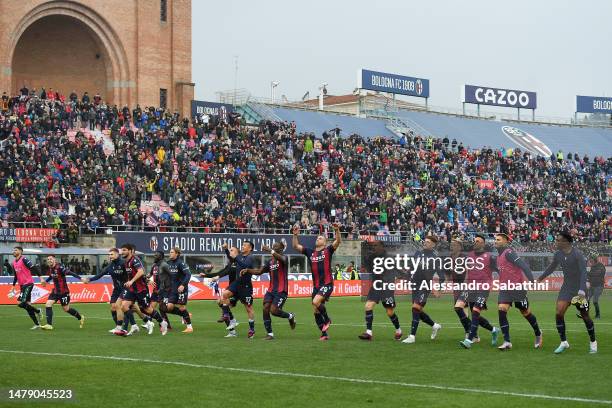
393,370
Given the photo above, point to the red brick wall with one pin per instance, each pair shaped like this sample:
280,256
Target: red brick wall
59,52
139,54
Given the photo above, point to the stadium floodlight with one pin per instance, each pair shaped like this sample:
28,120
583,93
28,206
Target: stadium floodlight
273,85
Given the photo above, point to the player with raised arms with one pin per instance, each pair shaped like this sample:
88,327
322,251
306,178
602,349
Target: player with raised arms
320,258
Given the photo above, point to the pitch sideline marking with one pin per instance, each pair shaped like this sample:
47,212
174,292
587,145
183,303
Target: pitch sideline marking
314,376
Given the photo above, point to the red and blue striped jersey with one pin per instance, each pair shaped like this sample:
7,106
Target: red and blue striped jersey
320,265
58,274
279,275
132,266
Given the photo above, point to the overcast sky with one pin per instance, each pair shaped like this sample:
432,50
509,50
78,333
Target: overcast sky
557,48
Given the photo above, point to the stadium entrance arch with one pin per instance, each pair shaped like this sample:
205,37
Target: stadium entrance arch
68,46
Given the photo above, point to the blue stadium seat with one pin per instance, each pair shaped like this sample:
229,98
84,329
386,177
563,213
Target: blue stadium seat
319,122
481,132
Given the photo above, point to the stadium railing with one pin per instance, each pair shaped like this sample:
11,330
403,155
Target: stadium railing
363,235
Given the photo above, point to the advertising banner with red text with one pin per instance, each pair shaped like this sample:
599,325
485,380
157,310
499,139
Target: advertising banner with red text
101,292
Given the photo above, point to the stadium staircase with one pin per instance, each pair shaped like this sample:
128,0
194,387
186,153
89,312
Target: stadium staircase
400,126
154,205
249,114
397,126
263,111
107,142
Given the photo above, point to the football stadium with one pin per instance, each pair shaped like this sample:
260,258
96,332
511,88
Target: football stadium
279,204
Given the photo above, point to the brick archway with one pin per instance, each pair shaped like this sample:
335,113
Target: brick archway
118,86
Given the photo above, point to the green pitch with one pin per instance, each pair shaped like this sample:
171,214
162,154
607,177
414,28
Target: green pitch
296,369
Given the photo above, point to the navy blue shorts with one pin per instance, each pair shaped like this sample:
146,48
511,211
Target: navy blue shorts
276,298
155,296
387,297
63,298
516,297
178,298
115,295
325,291
142,298
244,295
566,294
419,297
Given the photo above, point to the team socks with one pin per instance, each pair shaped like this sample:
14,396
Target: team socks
504,324
590,326
534,324
484,323
323,311
474,325
252,325
31,311
416,317
561,327
282,314
319,320
394,319
465,321
226,312
164,316
186,318
267,321
75,313
49,313
114,314
369,318
426,319
156,316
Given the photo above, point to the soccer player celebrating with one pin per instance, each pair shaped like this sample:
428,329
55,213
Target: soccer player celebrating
116,269
23,274
276,296
322,280
136,290
573,290
422,278
179,288
240,289
159,278
379,292
60,293
481,278
512,270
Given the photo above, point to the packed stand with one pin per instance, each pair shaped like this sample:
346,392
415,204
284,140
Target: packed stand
225,177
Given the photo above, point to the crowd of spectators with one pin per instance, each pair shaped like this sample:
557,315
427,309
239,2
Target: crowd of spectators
225,177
